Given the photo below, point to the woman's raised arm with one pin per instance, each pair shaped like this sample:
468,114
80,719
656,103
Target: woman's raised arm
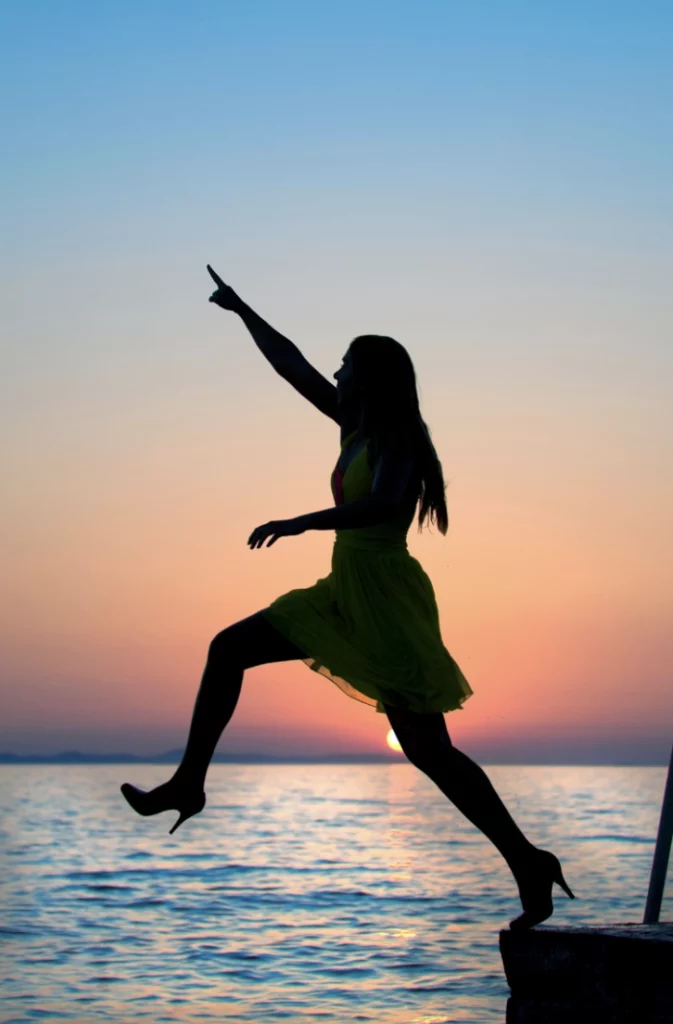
282,353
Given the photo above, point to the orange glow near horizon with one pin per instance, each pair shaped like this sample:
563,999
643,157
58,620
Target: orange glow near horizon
121,570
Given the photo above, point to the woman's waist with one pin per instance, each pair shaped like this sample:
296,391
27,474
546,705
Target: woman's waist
372,538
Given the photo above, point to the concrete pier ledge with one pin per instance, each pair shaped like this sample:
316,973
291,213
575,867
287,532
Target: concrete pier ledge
617,974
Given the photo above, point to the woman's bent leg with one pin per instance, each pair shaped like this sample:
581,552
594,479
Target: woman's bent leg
426,742
245,644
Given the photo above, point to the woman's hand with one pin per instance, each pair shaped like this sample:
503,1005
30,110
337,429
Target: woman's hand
224,297
275,529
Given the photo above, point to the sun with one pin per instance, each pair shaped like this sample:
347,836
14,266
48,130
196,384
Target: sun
392,741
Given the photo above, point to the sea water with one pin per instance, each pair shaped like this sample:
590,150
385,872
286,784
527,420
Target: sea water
302,893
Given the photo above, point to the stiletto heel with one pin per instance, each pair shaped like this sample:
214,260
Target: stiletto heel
168,797
560,880
186,813
183,817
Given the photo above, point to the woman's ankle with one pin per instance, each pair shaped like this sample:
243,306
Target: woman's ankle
182,778
519,859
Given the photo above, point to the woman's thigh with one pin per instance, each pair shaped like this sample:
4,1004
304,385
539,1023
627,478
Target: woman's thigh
254,641
420,736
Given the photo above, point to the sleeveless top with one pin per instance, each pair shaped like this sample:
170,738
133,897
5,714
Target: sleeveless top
355,483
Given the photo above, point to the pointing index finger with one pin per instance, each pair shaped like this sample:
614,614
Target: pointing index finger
218,280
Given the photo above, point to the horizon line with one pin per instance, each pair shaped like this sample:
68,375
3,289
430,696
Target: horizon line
70,757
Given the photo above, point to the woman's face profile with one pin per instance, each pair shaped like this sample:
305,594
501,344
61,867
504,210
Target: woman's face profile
345,378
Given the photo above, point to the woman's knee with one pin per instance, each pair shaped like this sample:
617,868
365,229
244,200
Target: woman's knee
226,646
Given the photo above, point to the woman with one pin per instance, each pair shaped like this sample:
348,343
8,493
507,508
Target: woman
371,625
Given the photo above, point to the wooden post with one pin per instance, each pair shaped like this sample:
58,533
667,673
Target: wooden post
662,852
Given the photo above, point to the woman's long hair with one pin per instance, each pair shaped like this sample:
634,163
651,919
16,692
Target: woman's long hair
386,379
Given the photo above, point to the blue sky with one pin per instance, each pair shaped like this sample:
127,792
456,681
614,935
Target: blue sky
490,110
471,149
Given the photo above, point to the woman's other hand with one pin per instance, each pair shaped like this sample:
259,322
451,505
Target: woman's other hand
275,529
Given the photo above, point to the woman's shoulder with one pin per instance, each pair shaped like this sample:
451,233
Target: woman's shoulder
349,426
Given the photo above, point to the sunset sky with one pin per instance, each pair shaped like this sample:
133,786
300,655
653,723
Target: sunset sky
491,184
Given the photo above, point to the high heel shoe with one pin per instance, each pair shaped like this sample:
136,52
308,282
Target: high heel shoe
167,797
535,888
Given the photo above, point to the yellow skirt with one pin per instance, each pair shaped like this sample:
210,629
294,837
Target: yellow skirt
372,627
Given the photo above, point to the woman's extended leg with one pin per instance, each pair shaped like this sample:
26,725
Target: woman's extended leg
245,644
426,743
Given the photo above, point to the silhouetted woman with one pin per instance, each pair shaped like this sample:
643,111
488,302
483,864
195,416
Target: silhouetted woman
371,625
